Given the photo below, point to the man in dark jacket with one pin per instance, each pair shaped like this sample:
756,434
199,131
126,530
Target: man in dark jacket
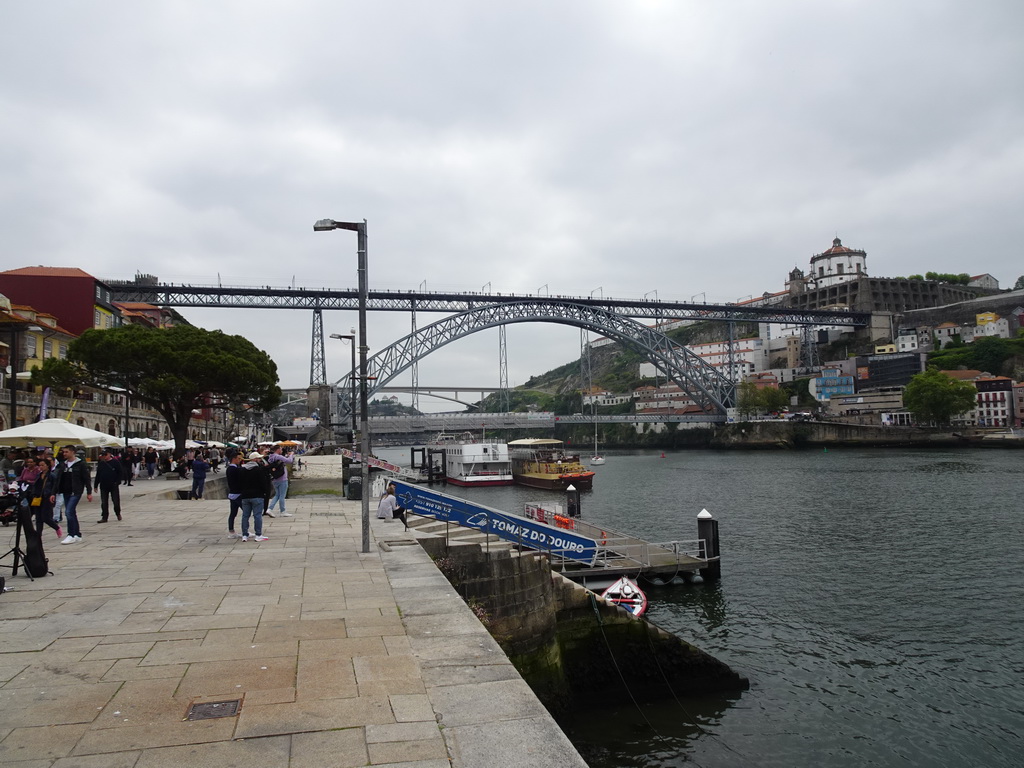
233,476
71,479
109,474
255,486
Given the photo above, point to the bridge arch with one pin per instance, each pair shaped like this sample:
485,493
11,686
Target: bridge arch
704,383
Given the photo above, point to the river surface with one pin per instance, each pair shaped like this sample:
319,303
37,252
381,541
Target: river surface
874,598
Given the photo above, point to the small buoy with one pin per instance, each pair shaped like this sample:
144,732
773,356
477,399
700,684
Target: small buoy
663,454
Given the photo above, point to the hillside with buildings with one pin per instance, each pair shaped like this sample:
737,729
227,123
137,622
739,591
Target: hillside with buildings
857,377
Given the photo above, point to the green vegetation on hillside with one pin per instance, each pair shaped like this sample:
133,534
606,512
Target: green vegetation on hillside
944,277
1000,357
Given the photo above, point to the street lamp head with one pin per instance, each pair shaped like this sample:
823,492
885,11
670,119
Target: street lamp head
326,225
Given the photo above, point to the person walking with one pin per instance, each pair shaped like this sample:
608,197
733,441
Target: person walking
278,462
71,480
255,487
151,459
199,469
232,473
126,463
38,496
109,474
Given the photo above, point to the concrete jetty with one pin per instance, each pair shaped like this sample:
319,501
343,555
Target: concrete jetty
305,651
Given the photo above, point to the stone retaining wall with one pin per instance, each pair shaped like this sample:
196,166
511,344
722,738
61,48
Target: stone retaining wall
566,642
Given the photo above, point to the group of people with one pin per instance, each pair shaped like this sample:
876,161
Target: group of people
256,483
50,485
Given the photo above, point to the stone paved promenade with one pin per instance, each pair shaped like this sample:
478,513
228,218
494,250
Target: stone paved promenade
338,658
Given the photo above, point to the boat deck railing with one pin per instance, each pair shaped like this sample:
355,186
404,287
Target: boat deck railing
616,552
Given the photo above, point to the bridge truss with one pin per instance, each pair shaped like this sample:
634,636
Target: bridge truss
268,297
709,389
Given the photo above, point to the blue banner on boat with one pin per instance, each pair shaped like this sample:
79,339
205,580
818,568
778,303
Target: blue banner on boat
504,525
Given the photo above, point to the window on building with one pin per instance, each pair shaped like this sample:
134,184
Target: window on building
839,268
63,351
47,348
96,319
30,346
99,293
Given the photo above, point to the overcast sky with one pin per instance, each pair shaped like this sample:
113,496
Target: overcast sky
681,147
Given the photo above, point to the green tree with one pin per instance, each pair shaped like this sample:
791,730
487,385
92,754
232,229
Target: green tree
750,399
747,401
934,398
173,370
774,399
1019,285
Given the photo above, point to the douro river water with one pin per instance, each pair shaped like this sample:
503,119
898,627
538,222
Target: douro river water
874,598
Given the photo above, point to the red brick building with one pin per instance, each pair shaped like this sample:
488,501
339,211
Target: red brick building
77,299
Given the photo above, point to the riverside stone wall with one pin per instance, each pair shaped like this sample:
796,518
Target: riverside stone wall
568,644
778,434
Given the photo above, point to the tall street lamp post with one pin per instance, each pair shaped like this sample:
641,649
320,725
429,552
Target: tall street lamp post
351,338
359,227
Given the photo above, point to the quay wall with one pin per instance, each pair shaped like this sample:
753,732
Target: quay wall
566,642
777,434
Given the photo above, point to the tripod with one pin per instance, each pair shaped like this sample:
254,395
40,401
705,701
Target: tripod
32,558
19,554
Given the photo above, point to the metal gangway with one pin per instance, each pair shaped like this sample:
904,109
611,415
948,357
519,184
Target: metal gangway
580,550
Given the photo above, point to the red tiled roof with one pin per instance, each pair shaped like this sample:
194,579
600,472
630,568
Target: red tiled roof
49,272
14,316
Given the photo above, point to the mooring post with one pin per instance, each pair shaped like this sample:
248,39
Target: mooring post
572,502
707,532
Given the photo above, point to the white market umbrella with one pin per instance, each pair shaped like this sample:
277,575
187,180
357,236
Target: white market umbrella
215,444
55,431
193,444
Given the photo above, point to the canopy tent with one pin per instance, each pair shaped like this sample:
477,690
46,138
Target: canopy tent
54,431
291,443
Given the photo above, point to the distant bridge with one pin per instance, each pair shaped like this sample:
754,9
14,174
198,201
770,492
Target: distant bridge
429,425
270,297
470,312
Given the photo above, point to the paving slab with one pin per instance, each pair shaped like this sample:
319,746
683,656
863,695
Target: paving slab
324,654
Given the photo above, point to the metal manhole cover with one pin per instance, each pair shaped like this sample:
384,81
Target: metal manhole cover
213,709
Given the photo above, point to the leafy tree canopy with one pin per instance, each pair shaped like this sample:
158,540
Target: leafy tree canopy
934,398
751,399
174,370
1019,285
945,277
988,354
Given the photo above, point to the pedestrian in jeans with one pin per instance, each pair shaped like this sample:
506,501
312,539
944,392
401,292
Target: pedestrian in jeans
70,480
109,474
151,459
233,475
199,468
278,462
255,486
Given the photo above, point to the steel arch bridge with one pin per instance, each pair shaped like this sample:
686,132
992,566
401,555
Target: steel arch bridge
709,389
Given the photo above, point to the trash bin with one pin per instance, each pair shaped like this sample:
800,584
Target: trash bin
355,488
